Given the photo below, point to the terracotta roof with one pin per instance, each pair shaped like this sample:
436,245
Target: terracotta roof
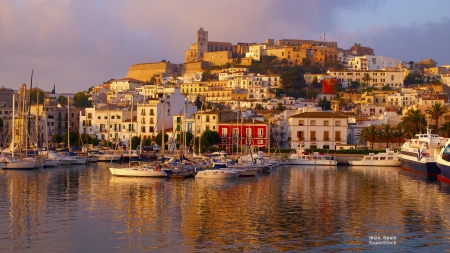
319,115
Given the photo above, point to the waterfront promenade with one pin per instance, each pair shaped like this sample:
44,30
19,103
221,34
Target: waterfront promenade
85,209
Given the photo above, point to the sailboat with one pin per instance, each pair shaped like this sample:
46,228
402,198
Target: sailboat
141,169
12,162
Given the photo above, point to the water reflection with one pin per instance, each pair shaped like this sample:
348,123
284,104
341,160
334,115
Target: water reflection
291,209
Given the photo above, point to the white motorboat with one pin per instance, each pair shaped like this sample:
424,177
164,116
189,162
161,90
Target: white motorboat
245,169
443,162
143,170
108,157
419,153
92,158
216,173
388,158
301,157
52,162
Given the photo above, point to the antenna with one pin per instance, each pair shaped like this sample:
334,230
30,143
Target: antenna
324,36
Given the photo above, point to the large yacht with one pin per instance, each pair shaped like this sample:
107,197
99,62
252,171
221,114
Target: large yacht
419,153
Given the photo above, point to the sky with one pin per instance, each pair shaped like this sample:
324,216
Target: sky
77,44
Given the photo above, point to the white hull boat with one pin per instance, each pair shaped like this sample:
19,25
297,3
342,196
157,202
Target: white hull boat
138,171
388,158
52,163
216,173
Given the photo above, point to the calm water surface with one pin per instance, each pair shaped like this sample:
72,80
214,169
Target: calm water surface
85,209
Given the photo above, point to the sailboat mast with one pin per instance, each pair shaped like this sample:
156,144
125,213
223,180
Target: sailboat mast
37,118
131,133
162,130
13,124
68,123
28,118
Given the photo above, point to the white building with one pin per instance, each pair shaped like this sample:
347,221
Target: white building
318,129
372,62
378,78
125,84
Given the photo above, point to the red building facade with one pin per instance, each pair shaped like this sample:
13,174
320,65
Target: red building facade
249,132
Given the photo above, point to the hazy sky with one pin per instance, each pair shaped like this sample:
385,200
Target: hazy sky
76,44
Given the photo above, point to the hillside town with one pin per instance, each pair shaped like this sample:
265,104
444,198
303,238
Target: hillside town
272,95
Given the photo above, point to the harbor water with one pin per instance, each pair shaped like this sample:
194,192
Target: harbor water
290,209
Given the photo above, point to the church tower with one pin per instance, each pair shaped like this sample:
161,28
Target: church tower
202,43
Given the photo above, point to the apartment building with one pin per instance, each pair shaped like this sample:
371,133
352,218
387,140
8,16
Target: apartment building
377,78
318,129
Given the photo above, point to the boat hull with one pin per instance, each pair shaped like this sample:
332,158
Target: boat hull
19,165
137,172
425,168
215,174
376,163
311,162
443,162
51,163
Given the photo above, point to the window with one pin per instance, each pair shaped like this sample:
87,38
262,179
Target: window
325,122
337,123
99,117
224,132
313,135
338,135
326,135
300,122
313,122
260,132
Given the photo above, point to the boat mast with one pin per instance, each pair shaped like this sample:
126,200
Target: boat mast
37,119
13,125
162,131
131,133
184,127
200,136
28,118
68,123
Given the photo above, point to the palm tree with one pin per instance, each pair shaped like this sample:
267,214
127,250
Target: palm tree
399,133
413,122
436,111
369,134
366,79
386,133
445,129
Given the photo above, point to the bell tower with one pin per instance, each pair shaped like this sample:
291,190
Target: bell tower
202,43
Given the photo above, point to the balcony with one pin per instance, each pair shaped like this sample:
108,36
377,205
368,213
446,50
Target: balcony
313,139
338,139
326,139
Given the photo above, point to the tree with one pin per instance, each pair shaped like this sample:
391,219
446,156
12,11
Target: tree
158,138
73,137
207,76
445,129
189,137
398,134
387,133
436,111
57,138
198,102
62,100
81,100
280,107
135,141
210,138
324,103
413,122
259,107
366,79
369,134
386,88
34,94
